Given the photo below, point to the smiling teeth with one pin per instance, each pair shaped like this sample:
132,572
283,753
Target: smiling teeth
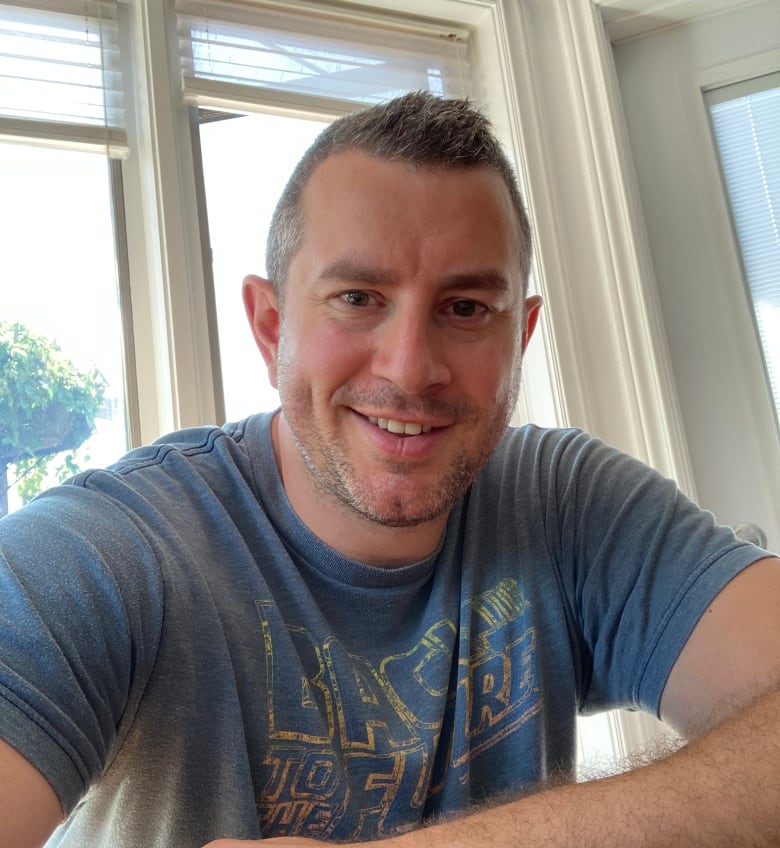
400,428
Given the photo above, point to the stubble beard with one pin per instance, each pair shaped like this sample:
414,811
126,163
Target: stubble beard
335,477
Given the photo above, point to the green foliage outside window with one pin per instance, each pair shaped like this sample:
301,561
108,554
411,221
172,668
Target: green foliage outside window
47,409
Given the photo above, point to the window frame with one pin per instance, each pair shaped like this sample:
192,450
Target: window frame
79,129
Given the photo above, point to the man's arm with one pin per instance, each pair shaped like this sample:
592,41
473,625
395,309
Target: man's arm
708,794
721,790
29,807
732,656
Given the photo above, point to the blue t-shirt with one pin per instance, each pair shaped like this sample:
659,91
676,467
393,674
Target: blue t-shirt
184,660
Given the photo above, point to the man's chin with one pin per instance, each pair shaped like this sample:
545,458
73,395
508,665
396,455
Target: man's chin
398,520
401,511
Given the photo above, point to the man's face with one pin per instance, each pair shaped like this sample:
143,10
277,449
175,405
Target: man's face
399,347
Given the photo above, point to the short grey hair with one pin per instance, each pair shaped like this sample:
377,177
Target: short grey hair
417,128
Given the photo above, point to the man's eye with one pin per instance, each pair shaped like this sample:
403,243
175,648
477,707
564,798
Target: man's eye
356,298
466,308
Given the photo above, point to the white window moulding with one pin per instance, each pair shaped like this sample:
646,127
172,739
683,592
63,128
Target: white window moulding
97,139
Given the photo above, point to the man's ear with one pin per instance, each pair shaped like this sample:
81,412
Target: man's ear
263,313
533,306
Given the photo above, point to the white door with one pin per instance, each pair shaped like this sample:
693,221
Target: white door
727,409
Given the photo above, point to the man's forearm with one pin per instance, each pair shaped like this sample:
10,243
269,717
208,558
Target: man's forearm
721,790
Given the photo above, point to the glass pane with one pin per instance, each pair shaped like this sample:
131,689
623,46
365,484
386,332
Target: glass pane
247,160
294,52
62,398
747,132
61,66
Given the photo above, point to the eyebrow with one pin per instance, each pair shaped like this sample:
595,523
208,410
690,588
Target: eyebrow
356,272
488,279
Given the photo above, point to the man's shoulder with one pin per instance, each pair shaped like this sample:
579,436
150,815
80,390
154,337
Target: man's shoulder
207,446
190,441
191,466
533,443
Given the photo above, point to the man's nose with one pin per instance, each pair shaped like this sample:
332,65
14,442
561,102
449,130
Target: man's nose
410,352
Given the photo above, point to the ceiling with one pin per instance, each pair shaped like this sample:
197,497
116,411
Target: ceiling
630,18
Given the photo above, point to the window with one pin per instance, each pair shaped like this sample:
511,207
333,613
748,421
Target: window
295,71
309,55
241,191
64,401
746,123
61,73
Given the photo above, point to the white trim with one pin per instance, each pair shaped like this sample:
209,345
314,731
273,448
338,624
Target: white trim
763,422
97,139
723,392
739,70
625,19
409,23
503,72
145,248
169,312
250,98
594,266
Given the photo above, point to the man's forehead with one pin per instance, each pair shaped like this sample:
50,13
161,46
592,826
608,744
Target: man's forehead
359,176
348,182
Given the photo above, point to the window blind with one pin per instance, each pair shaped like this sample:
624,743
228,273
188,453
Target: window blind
303,55
746,123
60,72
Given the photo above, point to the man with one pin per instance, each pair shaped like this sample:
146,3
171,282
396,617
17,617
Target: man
379,607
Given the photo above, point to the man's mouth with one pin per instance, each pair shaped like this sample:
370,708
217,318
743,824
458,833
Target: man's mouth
400,428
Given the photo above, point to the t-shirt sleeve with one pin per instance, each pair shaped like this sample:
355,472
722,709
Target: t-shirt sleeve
640,563
80,620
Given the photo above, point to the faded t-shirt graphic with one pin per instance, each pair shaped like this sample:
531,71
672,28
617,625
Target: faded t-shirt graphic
360,748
